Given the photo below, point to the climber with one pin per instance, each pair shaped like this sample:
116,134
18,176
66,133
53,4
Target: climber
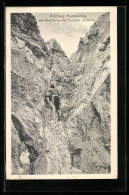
54,93
52,90
48,101
56,101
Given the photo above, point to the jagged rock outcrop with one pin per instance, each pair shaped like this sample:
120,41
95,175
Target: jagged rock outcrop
55,48
80,141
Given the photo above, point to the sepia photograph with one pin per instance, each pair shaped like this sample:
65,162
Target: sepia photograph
61,93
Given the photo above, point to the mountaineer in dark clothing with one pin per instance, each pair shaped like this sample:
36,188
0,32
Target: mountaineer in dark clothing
53,96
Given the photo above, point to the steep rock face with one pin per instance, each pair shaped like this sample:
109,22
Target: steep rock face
91,99
80,142
30,75
36,146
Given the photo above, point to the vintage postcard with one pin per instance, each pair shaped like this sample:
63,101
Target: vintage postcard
61,93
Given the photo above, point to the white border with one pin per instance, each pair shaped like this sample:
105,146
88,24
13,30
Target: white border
113,30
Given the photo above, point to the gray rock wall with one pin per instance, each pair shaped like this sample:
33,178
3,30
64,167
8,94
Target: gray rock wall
80,141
